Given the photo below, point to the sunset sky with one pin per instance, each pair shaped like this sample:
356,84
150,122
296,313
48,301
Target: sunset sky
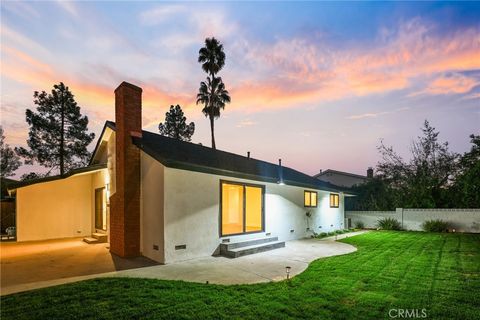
316,84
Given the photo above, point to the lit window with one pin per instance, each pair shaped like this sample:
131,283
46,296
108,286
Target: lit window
310,199
242,208
334,200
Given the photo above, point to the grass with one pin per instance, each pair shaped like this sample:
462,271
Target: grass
401,270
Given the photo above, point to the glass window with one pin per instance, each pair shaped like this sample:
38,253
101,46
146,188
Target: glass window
253,209
232,208
334,200
242,208
310,198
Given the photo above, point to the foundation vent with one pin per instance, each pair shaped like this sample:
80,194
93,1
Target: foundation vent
181,247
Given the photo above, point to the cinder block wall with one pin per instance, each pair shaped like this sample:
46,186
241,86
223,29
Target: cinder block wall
462,220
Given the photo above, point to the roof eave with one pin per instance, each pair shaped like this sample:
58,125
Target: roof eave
27,183
108,124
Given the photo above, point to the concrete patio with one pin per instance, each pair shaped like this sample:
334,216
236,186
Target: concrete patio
261,267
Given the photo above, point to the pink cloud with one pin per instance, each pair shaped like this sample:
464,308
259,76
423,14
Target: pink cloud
299,68
453,84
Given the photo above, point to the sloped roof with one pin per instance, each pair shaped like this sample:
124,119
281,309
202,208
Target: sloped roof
343,173
24,183
194,157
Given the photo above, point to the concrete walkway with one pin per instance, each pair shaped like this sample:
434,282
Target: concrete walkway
50,260
261,267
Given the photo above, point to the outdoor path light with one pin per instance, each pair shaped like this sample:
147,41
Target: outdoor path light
287,270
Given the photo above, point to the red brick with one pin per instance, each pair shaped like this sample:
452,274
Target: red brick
125,203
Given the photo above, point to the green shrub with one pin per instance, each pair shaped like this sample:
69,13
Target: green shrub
338,231
322,235
331,233
352,229
389,224
359,225
435,225
346,230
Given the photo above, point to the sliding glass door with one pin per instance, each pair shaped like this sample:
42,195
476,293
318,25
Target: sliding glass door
242,209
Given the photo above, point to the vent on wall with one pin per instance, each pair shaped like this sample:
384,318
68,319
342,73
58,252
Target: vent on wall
155,247
181,247
268,234
292,230
225,240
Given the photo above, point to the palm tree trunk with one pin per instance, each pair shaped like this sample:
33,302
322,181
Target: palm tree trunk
212,130
212,119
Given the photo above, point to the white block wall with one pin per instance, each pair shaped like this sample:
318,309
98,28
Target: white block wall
462,220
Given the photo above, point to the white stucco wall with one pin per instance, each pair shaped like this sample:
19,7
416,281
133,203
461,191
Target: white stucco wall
55,209
99,180
151,207
191,213
110,136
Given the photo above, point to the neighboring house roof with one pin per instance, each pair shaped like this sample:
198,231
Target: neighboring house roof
4,185
24,183
339,173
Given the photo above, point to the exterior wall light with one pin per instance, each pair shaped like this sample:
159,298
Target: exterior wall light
280,173
107,187
287,270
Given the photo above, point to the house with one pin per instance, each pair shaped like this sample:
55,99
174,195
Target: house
343,179
171,200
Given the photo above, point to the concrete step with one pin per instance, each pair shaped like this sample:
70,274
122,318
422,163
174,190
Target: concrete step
246,243
256,248
101,237
90,240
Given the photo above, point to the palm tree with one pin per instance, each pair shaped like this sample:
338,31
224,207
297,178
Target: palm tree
213,95
212,56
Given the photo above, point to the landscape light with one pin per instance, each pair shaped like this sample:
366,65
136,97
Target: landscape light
287,270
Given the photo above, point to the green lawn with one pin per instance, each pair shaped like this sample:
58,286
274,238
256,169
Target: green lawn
399,270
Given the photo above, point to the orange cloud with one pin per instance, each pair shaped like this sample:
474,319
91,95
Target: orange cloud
415,51
453,84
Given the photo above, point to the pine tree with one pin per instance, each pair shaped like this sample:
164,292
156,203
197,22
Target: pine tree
58,136
9,160
175,125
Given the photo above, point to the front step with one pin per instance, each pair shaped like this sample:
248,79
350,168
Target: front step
90,240
96,238
101,237
239,249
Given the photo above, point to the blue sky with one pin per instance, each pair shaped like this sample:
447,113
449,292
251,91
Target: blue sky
317,84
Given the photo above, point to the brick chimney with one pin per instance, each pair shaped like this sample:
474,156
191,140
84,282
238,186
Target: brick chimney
125,203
